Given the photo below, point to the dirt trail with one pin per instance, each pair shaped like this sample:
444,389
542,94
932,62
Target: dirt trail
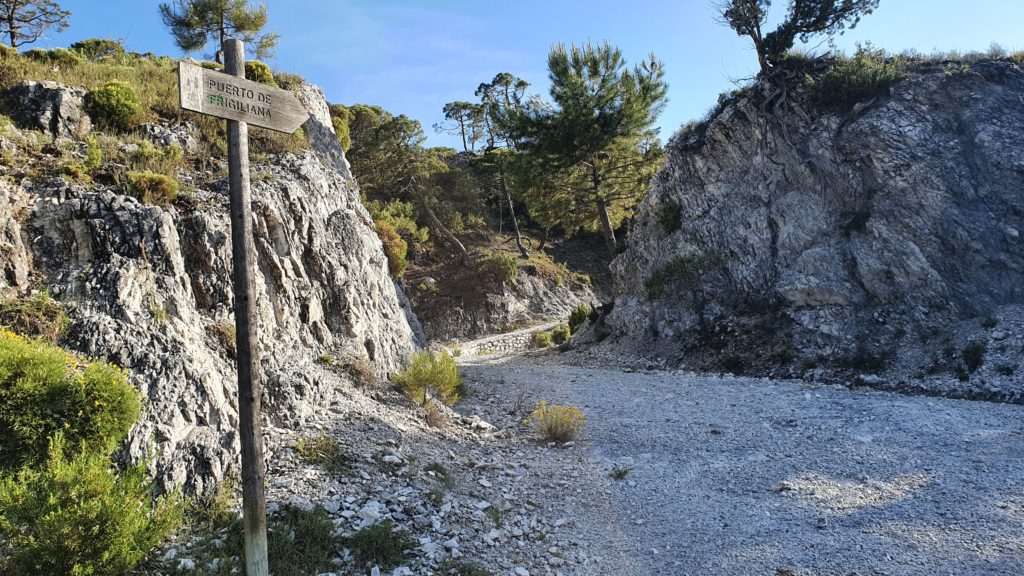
748,476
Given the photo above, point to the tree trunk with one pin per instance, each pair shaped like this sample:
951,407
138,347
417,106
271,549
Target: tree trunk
602,211
512,212
445,232
543,239
606,225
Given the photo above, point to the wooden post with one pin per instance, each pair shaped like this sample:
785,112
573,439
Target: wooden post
254,506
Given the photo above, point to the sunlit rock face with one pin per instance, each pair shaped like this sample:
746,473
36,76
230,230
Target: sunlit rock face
150,290
875,228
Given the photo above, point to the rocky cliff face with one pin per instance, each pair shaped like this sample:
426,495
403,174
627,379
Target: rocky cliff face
862,236
463,306
150,290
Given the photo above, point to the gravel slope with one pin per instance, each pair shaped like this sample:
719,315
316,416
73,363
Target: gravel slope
749,476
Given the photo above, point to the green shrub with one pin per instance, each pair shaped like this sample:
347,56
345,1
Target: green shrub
578,316
153,188
402,217
44,390
868,74
989,322
561,335
974,354
1005,370
380,545
7,52
115,106
681,273
75,516
395,248
38,316
147,157
287,80
325,451
426,373
556,423
499,266
57,57
214,511
302,542
671,217
259,72
542,339
97,49
93,155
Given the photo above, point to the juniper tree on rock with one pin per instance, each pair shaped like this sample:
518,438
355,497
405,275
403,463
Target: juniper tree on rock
25,21
593,151
804,19
194,23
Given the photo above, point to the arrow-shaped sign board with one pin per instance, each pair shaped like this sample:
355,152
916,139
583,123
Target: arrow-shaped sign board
225,96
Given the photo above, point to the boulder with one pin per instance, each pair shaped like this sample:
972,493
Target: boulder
50,107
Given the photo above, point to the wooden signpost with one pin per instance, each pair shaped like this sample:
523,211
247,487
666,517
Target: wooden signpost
229,95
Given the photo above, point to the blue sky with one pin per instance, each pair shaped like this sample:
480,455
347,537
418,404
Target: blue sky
413,56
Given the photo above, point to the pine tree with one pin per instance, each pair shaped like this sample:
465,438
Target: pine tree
592,153
194,23
25,21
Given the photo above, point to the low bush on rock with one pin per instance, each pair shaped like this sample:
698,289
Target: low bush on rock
380,545
974,354
395,248
461,568
682,274
153,188
73,515
671,217
44,390
499,266
556,423
561,335
430,373
578,316
115,106
868,74
259,72
38,316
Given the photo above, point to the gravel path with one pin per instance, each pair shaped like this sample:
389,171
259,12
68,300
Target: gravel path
749,476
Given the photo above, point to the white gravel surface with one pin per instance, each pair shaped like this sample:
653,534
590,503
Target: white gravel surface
750,476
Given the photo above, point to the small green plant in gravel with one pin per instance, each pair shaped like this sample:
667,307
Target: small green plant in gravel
153,188
989,322
556,423
324,451
302,542
1005,370
380,545
440,472
619,472
429,373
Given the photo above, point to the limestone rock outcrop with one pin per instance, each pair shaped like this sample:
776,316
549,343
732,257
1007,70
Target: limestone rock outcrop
876,229
150,290
51,107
